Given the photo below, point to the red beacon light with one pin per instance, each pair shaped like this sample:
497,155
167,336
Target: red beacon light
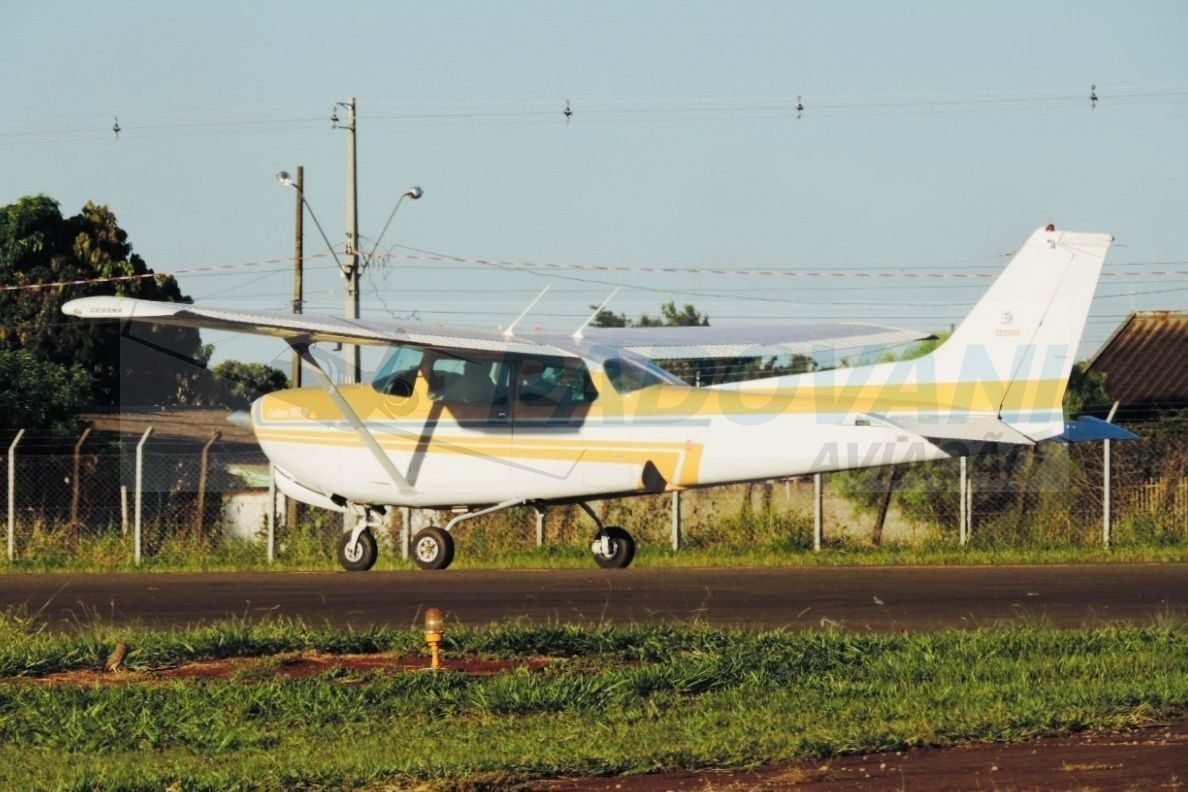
1051,227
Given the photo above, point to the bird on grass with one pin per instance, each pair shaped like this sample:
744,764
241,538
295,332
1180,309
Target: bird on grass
116,658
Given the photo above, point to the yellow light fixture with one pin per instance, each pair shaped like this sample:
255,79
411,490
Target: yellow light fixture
434,628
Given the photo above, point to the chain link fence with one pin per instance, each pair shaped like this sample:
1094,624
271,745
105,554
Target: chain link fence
83,500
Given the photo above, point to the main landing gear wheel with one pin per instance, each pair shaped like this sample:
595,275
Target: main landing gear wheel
613,548
359,557
432,548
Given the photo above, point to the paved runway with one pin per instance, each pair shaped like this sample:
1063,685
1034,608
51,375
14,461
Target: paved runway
855,598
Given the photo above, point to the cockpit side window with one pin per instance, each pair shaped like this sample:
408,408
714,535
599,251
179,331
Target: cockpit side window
398,373
474,381
629,375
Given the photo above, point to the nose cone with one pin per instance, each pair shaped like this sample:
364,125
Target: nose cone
241,418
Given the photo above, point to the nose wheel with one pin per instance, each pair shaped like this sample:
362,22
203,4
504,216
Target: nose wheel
359,555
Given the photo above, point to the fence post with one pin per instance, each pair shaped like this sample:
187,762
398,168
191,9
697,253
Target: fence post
969,502
961,518
204,466
12,495
271,506
540,521
676,520
123,509
818,512
1105,483
139,492
75,484
405,530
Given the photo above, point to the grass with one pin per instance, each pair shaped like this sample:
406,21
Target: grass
113,554
619,700
727,526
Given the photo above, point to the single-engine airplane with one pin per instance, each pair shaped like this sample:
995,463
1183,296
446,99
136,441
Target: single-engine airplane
480,421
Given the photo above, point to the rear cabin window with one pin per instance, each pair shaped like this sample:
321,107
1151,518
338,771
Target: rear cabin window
628,375
551,382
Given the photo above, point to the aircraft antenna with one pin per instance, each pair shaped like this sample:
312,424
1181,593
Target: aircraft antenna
511,328
577,334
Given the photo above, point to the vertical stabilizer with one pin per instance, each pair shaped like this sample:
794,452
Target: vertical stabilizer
1018,344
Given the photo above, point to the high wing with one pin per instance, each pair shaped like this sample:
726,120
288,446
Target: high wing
301,328
736,341
663,343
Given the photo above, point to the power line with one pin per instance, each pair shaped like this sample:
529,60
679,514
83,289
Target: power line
801,106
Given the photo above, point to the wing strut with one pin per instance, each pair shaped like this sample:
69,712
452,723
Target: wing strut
385,462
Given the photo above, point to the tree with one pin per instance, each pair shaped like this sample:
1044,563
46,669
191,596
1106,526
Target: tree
40,246
670,316
239,384
704,371
1087,391
928,490
40,395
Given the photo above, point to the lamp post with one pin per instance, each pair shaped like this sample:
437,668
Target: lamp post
352,269
285,179
412,192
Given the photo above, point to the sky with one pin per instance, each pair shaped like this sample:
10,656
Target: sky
934,137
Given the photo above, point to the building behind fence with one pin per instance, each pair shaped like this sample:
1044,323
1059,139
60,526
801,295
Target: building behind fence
199,488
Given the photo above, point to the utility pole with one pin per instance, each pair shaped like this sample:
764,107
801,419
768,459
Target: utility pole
298,265
291,513
353,359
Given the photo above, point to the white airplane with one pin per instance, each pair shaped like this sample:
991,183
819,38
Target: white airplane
478,422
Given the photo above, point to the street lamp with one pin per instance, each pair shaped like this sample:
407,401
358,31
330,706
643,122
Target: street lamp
353,269
286,180
412,192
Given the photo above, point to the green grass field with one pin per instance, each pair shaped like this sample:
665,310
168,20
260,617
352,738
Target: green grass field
614,700
109,555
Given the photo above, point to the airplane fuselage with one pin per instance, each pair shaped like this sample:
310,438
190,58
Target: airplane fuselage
660,437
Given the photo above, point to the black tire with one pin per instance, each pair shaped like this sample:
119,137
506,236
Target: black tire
362,556
622,548
432,548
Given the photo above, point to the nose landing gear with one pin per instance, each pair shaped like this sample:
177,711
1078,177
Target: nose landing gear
357,548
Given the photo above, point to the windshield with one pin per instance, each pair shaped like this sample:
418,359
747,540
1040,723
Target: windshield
399,371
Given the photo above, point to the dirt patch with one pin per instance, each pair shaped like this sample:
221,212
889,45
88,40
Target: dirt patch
290,666
1144,759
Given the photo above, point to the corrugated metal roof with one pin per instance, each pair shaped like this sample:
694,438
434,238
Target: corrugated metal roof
186,424
1146,360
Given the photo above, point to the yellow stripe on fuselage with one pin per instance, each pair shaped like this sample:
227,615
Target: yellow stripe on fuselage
677,402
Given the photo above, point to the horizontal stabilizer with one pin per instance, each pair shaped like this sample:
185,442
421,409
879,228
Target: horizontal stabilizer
964,426
1086,428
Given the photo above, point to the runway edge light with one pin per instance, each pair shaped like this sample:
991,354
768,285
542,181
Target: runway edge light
434,628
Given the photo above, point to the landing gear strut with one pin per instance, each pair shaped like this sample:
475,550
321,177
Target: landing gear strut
613,547
433,547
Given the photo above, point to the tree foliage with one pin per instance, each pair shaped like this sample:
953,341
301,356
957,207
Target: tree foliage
38,394
40,246
239,383
927,491
670,316
707,371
